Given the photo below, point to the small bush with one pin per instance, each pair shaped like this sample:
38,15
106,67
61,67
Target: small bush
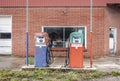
31,60
25,79
114,73
47,80
15,79
96,74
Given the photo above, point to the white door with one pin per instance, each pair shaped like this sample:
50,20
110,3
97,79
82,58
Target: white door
113,40
5,35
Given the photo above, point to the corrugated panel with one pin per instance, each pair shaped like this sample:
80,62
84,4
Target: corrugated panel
56,2
6,50
5,24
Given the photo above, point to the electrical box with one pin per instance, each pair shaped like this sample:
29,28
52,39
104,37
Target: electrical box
76,50
41,46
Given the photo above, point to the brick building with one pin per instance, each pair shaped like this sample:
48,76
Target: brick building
59,18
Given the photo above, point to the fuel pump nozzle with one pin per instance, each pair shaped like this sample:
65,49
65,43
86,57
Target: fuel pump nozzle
67,53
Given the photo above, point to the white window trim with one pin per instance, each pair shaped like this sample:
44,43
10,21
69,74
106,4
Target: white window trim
71,27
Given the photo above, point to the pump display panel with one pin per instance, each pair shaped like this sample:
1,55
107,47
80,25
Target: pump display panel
40,39
77,40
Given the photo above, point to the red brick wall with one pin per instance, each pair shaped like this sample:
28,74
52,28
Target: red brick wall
71,17
60,16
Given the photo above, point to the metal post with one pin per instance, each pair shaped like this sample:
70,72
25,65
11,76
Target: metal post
27,33
91,34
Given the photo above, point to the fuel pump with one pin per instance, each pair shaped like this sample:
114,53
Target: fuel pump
42,52
76,50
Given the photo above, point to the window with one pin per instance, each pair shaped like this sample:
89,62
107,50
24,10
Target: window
111,33
5,35
59,35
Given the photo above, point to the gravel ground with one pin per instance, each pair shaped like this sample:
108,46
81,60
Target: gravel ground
110,78
11,62
105,64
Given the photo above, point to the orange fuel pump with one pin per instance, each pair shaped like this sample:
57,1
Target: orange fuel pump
76,50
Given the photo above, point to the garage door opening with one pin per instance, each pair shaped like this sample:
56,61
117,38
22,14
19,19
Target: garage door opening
5,35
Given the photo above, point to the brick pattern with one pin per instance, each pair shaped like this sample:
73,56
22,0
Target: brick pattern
103,18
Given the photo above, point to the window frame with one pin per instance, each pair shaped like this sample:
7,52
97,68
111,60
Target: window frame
85,27
4,33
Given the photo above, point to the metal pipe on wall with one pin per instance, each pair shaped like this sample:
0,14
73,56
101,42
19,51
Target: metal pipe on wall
91,34
27,51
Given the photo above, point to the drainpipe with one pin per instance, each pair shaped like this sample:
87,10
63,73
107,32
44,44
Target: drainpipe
27,33
91,34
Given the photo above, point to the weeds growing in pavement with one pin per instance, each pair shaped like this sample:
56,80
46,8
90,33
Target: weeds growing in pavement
51,75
